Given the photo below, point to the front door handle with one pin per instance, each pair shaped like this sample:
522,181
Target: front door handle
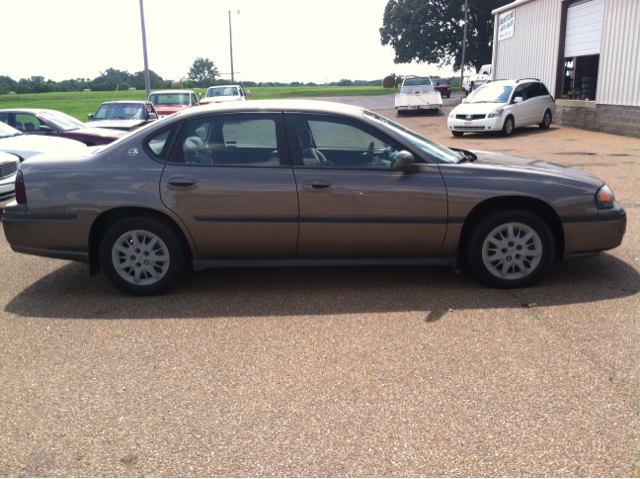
315,185
181,182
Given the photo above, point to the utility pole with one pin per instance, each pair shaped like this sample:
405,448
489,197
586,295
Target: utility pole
465,8
231,45
147,82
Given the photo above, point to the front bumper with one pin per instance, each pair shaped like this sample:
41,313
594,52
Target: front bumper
586,235
7,189
486,124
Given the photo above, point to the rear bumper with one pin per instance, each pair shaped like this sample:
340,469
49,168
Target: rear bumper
586,235
63,236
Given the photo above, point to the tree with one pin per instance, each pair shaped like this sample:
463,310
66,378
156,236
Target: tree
431,31
203,71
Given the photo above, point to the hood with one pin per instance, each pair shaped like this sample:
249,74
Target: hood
536,166
117,124
219,99
171,109
27,146
103,132
477,108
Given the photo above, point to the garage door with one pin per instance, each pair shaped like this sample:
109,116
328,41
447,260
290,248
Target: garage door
584,28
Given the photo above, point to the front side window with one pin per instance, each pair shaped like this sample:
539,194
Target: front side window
332,142
229,140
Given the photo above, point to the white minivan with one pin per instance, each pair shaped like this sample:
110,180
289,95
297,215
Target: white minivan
503,106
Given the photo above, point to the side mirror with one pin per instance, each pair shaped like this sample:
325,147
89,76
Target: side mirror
517,99
90,116
248,92
200,94
405,160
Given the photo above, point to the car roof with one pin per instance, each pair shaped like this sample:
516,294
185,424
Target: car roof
164,92
31,110
298,106
142,102
228,84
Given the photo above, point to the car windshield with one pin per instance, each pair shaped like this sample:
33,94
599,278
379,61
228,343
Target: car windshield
416,81
223,91
490,94
169,99
62,121
120,111
6,131
440,153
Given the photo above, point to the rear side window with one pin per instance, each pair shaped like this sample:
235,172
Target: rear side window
230,140
159,144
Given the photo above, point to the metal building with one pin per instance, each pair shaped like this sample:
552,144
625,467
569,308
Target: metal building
586,51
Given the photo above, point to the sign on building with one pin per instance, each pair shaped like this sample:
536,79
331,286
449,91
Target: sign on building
506,22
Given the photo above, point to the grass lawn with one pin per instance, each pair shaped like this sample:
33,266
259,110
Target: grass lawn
79,104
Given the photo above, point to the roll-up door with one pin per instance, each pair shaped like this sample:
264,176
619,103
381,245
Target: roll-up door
584,28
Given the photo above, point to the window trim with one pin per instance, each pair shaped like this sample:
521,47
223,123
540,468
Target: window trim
147,149
281,141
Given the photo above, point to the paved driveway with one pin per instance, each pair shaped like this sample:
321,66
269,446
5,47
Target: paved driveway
395,371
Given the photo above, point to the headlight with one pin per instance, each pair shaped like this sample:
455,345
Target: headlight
452,115
604,198
496,114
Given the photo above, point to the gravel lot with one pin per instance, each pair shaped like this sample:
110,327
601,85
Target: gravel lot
394,371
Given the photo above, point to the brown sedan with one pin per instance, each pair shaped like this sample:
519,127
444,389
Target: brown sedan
299,183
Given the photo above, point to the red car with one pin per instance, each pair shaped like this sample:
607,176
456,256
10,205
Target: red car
33,121
168,102
441,85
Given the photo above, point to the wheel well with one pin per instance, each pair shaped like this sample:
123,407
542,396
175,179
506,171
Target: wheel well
504,203
108,218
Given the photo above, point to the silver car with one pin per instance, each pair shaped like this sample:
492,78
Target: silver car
303,183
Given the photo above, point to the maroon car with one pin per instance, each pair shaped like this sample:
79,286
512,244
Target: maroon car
441,85
32,121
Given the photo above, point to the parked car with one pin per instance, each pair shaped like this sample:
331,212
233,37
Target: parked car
478,79
123,115
225,93
466,87
442,86
15,145
35,121
168,102
417,93
303,183
503,106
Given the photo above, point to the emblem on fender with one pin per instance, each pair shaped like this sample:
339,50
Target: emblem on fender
133,152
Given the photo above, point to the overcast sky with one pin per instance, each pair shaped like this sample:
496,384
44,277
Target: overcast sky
273,40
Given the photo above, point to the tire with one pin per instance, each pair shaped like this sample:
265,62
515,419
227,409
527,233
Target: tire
457,133
134,249
546,120
524,257
589,86
589,79
508,127
471,87
399,112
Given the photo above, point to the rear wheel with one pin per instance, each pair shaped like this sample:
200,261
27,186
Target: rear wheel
546,120
511,249
142,257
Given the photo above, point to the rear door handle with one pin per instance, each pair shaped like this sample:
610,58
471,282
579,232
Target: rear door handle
315,185
181,182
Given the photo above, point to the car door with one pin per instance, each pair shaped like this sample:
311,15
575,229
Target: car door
525,112
32,125
353,202
229,179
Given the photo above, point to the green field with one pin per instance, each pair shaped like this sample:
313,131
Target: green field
79,104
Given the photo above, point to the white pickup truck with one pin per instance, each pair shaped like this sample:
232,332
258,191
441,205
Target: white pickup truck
479,79
417,93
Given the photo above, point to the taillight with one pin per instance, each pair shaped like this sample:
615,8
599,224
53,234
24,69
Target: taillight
21,192
553,99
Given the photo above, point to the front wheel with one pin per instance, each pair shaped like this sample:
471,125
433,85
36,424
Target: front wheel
507,128
141,257
457,133
511,249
